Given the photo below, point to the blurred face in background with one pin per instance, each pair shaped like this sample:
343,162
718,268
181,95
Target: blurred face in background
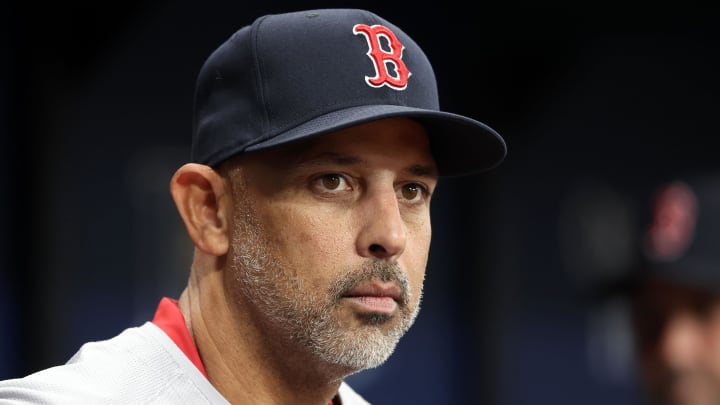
678,337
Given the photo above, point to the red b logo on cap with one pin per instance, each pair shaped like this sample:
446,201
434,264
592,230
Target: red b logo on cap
674,220
383,59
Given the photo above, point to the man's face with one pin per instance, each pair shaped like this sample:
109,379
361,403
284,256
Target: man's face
679,340
331,239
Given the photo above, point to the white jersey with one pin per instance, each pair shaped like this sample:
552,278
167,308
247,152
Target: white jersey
141,365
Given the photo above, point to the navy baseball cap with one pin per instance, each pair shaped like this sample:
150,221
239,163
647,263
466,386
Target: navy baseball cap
290,76
681,241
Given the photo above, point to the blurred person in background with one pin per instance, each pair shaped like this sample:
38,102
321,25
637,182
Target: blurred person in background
674,294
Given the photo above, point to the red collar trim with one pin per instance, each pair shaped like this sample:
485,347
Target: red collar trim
170,319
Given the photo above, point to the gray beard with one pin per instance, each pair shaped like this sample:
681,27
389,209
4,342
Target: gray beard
309,318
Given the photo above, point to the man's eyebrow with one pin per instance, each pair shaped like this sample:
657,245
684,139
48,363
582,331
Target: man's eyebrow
423,171
348,160
333,157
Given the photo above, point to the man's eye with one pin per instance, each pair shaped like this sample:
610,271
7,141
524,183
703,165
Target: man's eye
332,182
412,192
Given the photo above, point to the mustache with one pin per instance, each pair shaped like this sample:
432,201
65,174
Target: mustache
384,271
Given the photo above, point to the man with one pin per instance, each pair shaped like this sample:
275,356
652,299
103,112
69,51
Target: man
317,144
676,295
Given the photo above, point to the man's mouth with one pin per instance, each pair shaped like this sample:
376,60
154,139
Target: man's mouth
375,296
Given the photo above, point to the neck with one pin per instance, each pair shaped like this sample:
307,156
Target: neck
243,362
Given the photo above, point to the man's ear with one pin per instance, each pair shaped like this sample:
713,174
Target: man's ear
202,199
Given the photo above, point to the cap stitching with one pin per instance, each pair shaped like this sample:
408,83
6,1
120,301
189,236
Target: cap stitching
259,82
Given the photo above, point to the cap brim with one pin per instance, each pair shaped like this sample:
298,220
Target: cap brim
460,145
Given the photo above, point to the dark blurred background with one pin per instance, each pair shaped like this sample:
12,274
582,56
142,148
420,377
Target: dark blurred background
596,101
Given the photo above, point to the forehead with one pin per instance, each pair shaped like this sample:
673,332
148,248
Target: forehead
665,293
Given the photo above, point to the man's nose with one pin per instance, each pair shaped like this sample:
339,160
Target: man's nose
383,233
